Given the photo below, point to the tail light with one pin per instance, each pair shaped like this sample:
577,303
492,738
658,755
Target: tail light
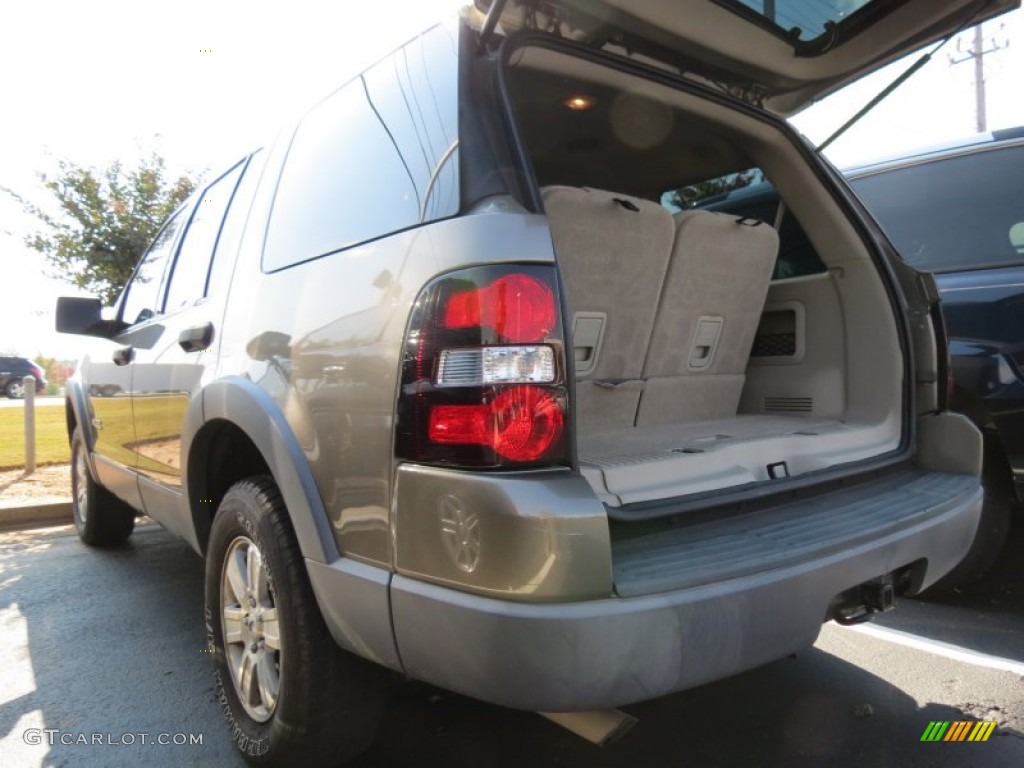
483,374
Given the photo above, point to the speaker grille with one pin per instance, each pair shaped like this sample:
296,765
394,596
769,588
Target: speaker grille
774,345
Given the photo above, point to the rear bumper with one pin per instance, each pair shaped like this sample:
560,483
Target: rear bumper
609,652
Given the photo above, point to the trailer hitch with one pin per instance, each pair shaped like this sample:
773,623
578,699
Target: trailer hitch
857,605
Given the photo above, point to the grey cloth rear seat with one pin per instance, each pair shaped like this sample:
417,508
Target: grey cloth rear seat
613,252
708,314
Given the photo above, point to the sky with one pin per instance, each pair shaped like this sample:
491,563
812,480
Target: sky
204,82
936,106
201,82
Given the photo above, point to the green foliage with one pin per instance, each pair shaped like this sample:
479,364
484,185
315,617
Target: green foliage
689,197
54,370
107,219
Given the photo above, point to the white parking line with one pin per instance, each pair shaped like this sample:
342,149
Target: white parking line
939,648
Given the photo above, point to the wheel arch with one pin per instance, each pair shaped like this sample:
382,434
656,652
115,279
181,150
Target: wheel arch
236,430
76,415
70,417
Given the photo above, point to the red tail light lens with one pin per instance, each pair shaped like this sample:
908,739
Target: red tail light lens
483,376
520,424
517,307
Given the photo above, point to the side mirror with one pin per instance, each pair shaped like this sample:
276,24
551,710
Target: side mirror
84,316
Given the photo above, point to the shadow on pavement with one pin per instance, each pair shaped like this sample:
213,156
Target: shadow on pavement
813,710
115,644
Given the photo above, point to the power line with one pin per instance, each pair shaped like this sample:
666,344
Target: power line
977,52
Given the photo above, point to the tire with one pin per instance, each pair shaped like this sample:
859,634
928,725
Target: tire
102,519
15,389
985,549
993,526
306,702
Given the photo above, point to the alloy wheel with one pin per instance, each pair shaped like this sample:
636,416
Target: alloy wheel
81,486
249,625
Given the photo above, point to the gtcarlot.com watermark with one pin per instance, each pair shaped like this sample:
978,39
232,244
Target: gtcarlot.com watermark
53,737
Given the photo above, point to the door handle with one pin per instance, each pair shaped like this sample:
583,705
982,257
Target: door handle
123,355
197,338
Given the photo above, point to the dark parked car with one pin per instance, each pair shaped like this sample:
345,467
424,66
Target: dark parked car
957,212
435,384
12,372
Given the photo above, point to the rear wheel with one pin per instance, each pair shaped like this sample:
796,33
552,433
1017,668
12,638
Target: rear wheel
993,526
102,519
290,694
15,389
985,549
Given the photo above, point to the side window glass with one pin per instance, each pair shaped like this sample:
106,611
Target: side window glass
142,300
797,256
706,194
377,156
415,95
1017,237
963,212
234,224
188,279
749,194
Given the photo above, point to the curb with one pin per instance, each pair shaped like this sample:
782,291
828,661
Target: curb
35,515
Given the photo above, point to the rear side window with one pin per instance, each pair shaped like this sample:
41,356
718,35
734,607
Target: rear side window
234,224
188,280
965,212
377,156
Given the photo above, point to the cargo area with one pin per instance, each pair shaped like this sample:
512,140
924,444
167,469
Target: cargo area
700,366
643,464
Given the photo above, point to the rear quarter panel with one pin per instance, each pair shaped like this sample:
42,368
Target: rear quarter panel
325,339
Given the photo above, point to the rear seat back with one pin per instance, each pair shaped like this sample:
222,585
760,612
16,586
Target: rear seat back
712,301
613,252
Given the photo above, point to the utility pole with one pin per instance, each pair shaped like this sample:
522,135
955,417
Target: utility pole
977,52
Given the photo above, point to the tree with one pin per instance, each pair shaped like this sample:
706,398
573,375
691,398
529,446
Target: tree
107,218
54,373
691,196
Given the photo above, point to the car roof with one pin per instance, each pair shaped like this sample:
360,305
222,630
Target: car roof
764,191
977,142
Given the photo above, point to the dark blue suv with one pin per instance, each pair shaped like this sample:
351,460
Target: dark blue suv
13,370
957,212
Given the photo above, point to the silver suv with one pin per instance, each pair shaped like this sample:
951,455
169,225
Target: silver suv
436,384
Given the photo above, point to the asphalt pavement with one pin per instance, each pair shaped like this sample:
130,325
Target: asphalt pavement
108,647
